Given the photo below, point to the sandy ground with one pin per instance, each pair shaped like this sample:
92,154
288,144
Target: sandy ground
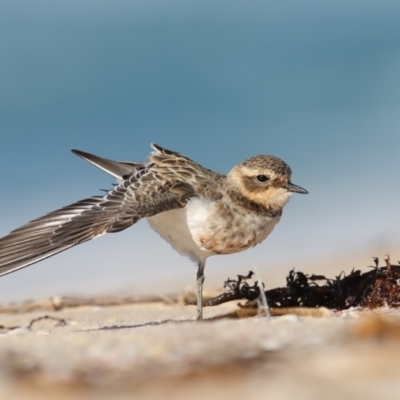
151,351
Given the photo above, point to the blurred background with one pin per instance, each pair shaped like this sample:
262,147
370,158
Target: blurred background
312,82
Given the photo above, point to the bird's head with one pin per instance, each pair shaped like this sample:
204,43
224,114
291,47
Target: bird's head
265,180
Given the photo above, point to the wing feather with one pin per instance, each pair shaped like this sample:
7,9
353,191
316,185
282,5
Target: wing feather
80,222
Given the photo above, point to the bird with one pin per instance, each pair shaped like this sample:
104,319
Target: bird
200,212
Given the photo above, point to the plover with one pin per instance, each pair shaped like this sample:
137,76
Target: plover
198,211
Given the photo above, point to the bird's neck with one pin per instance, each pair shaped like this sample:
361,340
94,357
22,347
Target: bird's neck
239,200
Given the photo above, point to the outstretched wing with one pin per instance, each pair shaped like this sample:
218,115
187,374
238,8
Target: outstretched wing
149,189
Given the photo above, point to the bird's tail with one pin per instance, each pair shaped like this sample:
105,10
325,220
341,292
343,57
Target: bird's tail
118,169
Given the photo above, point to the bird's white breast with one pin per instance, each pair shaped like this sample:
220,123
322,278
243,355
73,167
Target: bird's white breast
225,228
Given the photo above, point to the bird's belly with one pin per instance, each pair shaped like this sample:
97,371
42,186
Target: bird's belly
172,227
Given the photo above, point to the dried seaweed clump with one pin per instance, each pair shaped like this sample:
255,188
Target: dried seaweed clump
378,287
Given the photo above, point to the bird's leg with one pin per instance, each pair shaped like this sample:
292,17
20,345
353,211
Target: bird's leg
200,280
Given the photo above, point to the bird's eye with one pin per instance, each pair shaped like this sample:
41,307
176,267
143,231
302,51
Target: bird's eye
262,178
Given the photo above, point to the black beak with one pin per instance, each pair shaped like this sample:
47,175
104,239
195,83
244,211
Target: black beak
291,187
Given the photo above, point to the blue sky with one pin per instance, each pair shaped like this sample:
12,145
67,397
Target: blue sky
314,83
